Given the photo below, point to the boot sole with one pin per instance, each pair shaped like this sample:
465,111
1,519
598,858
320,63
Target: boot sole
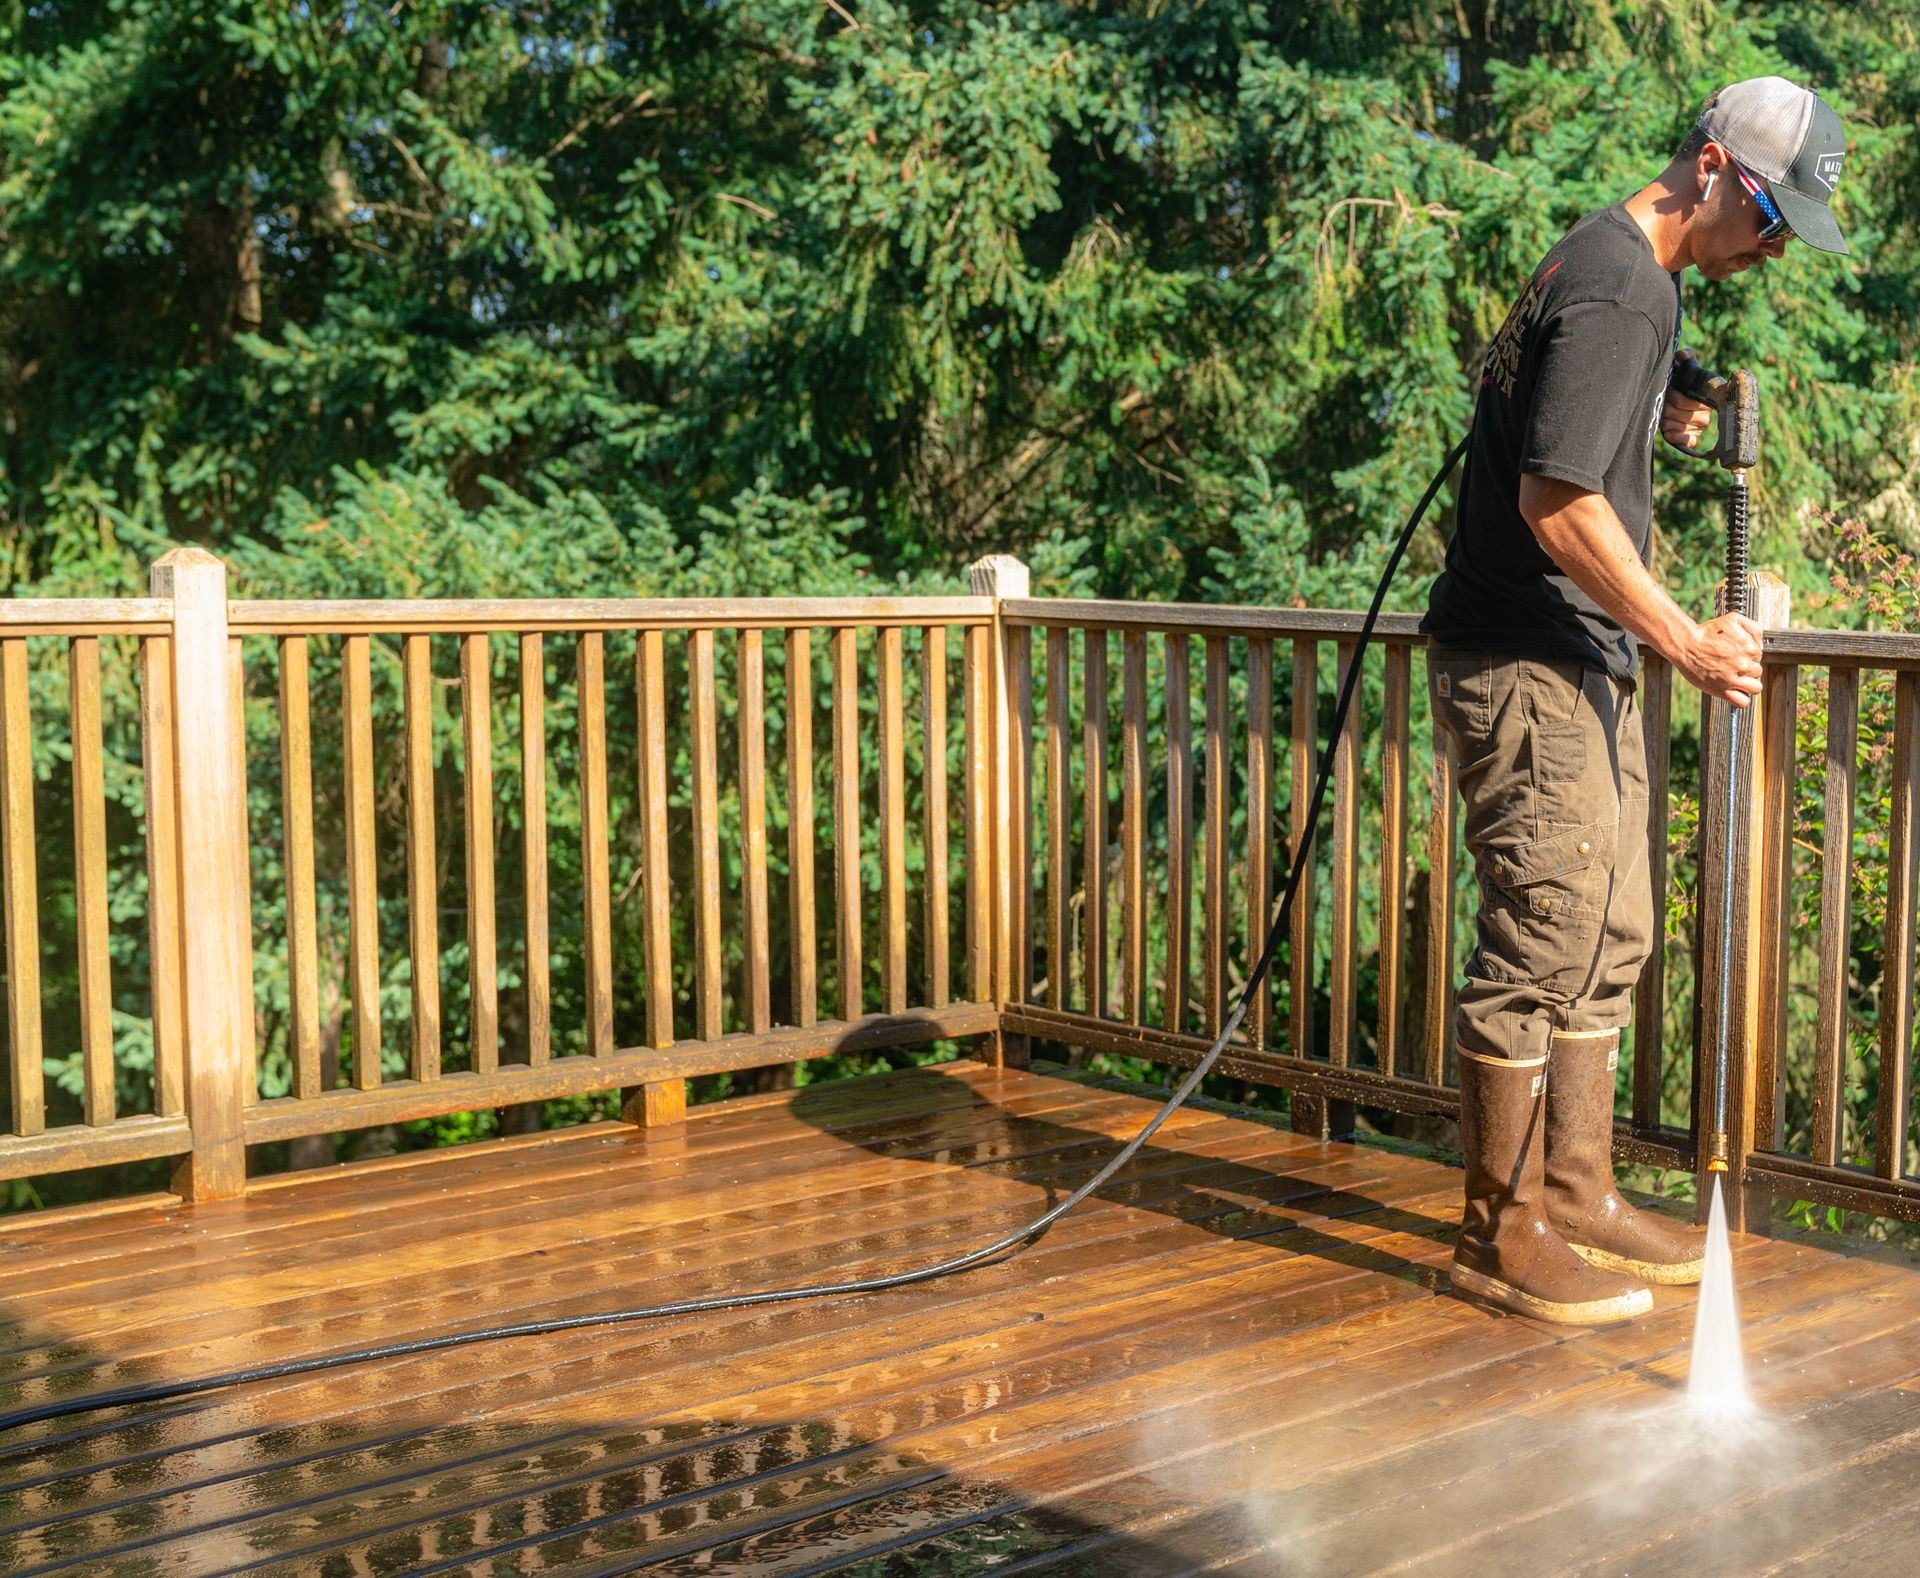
1680,1274
1589,1312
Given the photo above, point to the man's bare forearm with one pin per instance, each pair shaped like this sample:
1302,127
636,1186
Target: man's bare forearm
1583,535
1586,539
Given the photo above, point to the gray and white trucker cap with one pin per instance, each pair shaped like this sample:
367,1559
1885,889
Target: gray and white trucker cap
1790,137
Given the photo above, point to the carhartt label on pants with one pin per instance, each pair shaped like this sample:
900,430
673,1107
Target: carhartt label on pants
1444,683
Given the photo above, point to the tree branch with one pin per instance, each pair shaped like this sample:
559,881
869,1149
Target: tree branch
594,114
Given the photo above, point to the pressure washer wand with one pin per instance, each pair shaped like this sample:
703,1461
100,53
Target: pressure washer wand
1736,402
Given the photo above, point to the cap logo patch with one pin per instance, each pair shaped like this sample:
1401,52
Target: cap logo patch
1826,169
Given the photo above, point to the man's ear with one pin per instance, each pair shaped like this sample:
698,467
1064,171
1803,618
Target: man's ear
1712,160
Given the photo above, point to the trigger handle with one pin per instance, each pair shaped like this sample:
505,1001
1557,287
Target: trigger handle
1736,408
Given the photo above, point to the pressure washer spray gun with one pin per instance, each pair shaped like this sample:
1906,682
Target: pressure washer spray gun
1736,404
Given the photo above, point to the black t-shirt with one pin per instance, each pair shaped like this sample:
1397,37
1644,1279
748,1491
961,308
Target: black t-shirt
1572,389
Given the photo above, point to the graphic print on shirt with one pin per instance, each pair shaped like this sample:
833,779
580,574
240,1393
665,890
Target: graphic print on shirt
1503,357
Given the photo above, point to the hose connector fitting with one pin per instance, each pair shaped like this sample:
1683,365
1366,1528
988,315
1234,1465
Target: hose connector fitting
1717,1153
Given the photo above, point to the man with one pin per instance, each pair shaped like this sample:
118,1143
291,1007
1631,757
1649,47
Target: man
1535,621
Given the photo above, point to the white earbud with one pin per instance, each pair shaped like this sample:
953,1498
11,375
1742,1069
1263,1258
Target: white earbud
1707,191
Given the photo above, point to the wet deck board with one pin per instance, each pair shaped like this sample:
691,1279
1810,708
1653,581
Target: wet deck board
1239,1357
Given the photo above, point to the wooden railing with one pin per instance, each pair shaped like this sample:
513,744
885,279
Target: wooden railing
1306,1030
1303,1029
991,816
1841,1137
63,645
865,644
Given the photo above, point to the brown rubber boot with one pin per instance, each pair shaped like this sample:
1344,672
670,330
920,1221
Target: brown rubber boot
1507,1253
1582,1203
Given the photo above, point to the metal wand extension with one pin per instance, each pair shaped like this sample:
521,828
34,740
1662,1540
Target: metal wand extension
1737,602
1736,403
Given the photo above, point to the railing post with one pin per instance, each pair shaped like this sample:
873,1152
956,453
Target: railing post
1001,577
1749,1086
214,908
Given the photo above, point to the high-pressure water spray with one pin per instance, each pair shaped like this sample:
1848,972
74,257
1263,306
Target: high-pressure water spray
1736,404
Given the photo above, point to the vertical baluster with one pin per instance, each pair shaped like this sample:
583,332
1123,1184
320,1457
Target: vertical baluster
1306,724
1179,830
650,690
476,727
163,873
1393,853
591,696
363,916
1346,849
1259,824
296,820
1751,1088
1133,832
1213,889
423,878
1774,858
90,879
1896,989
243,866
22,891
978,680
933,714
1437,995
756,963
707,1007
893,824
1020,814
1836,916
846,820
657,1103
533,843
1093,820
806,978
1649,998
1059,872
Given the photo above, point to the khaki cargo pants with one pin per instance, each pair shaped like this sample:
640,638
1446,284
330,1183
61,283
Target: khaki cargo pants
1553,773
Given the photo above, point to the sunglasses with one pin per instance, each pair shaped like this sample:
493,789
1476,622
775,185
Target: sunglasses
1776,222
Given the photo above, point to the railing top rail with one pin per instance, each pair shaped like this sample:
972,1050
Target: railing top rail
1204,618
1880,649
351,617
85,616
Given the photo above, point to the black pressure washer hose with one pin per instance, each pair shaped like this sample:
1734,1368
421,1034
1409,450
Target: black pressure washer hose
161,1391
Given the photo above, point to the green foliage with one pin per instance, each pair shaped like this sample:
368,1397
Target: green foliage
1154,277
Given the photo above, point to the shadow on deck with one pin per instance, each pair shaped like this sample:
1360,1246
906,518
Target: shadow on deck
1238,1357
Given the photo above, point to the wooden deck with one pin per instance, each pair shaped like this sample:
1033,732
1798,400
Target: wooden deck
1240,1358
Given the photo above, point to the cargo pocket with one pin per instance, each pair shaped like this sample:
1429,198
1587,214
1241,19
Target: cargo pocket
1559,753
1547,909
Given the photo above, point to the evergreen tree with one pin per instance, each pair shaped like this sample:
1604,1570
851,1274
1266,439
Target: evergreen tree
1179,299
